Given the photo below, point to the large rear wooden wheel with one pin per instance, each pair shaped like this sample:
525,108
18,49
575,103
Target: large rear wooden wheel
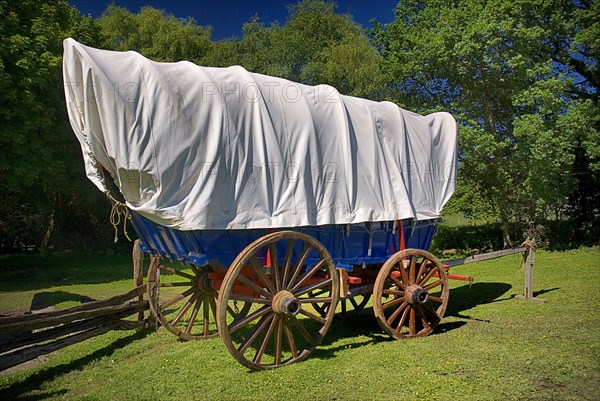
411,294
183,301
279,275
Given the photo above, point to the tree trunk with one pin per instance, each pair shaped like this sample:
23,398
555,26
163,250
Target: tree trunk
506,242
49,230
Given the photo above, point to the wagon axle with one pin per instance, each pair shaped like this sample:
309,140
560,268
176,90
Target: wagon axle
284,303
414,294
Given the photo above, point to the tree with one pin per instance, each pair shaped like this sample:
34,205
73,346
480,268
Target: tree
314,46
512,74
154,33
40,164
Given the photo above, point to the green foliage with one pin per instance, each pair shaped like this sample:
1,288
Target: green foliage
154,33
314,46
41,174
511,72
470,239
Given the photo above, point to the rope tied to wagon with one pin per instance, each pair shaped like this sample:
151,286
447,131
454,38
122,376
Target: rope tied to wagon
119,209
530,244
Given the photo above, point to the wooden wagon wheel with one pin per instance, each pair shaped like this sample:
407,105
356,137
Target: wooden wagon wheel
280,328
185,303
411,294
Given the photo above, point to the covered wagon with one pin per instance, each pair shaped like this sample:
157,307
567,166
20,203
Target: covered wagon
285,204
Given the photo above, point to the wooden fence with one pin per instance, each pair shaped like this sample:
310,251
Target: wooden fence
26,337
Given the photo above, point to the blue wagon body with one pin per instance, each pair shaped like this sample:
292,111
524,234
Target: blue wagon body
349,245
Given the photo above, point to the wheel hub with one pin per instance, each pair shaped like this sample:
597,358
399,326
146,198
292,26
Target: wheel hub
204,284
414,294
285,303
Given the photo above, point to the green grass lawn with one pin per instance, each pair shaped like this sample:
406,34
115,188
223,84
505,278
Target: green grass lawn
489,346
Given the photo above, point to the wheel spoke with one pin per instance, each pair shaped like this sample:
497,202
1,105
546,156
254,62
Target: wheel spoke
261,274
393,302
177,284
177,272
412,269
249,283
428,276
290,338
393,292
287,263
185,308
412,328
433,285
197,271
265,342
403,274
278,342
421,269
423,318
301,329
299,265
206,316
397,312
313,316
190,324
315,300
308,275
275,266
213,307
431,311
312,287
436,299
178,298
398,282
244,298
255,332
402,320
236,325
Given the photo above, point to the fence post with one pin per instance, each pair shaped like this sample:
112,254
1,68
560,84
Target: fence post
138,271
528,261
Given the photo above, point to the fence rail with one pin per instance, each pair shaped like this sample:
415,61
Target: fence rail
26,337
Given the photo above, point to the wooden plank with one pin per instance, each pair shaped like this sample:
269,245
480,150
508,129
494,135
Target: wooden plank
490,255
42,320
119,299
23,340
528,261
343,278
138,271
483,256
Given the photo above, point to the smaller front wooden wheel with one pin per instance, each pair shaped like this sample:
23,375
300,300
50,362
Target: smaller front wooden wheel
282,275
411,294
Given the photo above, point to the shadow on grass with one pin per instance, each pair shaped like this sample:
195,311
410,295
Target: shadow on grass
36,380
364,325
47,299
38,272
467,297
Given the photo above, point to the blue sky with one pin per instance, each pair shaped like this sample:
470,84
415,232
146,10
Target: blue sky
227,16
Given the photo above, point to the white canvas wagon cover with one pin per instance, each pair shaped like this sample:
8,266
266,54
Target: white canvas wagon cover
193,147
